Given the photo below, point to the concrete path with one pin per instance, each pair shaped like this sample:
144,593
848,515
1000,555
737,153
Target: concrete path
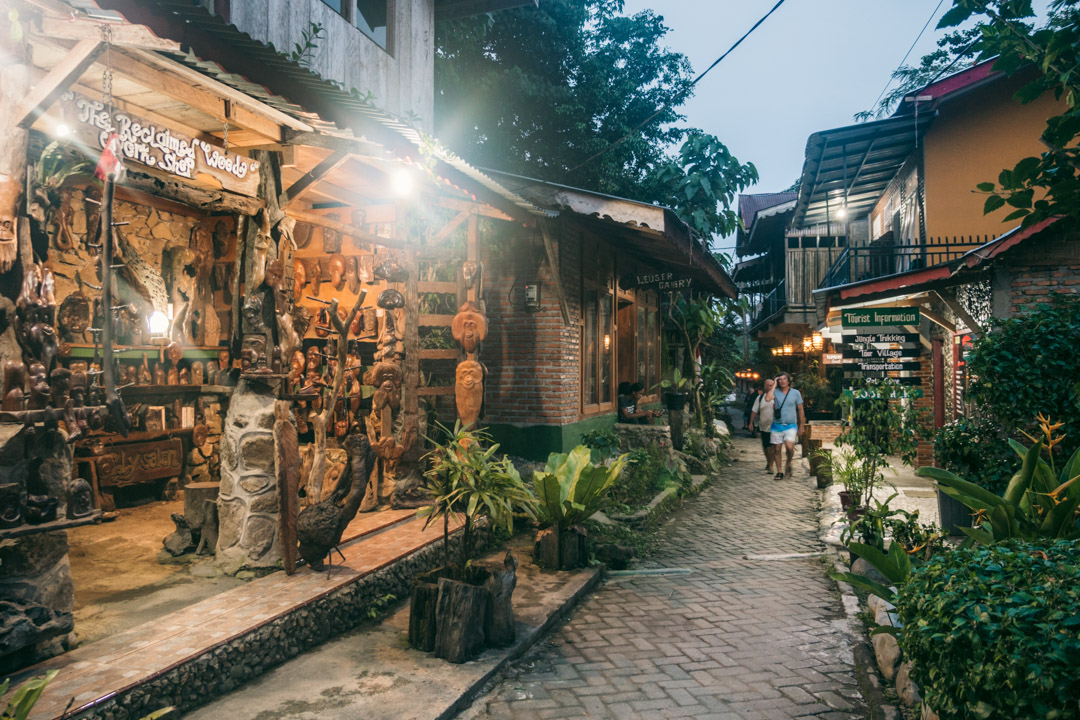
747,626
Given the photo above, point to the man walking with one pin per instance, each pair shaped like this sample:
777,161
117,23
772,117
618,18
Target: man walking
788,420
762,412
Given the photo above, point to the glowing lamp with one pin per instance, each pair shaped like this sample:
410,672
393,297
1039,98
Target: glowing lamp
159,323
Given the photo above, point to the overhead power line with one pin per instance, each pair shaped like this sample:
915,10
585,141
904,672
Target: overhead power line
906,55
696,80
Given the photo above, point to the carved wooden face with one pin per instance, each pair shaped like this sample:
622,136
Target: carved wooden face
252,351
470,270
274,273
469,327
298,364
299,278
469,391
10,191
337,270
313,359
202,243
223,359
197,373
174,352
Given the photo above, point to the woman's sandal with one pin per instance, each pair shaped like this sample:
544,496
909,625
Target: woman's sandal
779,476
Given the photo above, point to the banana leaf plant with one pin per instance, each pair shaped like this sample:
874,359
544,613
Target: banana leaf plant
570,488
1040,502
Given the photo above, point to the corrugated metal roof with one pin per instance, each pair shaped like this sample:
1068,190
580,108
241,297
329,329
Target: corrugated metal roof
221,51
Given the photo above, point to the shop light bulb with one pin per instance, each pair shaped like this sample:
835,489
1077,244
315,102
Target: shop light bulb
607,342
159,323
402,183
61,130
841,213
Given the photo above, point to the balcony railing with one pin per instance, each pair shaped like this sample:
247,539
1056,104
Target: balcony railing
771,304
871,262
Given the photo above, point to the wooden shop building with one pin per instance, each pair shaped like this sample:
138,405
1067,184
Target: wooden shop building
268,307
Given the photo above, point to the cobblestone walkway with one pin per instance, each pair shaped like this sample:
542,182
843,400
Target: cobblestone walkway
742,635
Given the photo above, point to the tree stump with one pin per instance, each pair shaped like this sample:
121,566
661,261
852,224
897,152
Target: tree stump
422,618
499,579
546,549
459,635
573,548
209,534
196,496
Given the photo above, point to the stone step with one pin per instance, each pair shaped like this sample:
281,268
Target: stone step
211,647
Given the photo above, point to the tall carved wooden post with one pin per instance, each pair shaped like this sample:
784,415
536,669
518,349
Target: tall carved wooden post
14,86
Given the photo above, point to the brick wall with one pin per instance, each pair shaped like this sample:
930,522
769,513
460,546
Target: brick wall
532,357
1033,284
925,450
825,430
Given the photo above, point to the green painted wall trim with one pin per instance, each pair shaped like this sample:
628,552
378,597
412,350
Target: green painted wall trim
536,442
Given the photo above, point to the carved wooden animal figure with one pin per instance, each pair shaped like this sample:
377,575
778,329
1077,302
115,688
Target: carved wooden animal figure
469,392
469,327
319,527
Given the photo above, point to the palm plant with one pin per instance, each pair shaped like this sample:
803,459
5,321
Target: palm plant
464,479
570,488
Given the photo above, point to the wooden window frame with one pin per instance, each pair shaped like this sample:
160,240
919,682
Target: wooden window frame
605,256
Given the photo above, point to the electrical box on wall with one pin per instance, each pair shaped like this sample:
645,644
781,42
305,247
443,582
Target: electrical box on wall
532,297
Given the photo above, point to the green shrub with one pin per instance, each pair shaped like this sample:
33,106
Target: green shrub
603,443
994,632
1027,366
976,450
645,475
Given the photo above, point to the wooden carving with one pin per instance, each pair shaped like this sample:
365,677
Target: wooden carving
469,392
10,193
469,327
336,268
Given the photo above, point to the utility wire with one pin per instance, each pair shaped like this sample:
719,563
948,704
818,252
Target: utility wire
696,80
906,55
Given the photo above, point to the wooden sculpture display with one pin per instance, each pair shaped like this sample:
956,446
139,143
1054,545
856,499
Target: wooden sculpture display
469,328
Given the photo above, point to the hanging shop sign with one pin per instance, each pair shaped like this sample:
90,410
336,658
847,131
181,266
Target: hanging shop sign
159,147
872,338
856,374
137,463
873,353
891,392
655,281
880,317
831,358
881,365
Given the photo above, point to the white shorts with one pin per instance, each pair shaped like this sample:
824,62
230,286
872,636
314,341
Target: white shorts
790,435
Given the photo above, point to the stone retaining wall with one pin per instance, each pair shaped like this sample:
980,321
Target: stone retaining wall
222,669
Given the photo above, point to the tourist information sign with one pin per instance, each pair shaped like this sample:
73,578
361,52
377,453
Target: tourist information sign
880,317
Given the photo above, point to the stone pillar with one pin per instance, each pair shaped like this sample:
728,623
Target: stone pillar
36,592
248,524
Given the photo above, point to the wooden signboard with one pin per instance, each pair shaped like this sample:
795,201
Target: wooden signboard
874,353
655,281
882,365
911,381
873,338
891,392
141,462
880,317
159,147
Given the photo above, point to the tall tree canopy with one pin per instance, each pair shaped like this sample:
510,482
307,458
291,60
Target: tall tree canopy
537,91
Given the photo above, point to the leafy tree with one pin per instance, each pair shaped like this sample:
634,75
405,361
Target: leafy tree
542,91
536,91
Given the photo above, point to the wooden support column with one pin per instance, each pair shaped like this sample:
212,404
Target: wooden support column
59,79
938,381
553,263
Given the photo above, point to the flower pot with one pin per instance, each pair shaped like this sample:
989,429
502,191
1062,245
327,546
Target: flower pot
675,401
855,512
846,499
954,514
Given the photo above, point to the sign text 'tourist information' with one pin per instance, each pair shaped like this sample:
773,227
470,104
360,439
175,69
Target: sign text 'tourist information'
880,317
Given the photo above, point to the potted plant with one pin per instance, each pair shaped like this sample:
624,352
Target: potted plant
456,614
569,491
821,460
676,389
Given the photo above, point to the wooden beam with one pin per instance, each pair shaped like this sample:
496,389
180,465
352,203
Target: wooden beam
553,263
217,87
448,229
477,207
75,27
935,318
203,100
357,234
330,163
191,195
358,146
960,312
59,79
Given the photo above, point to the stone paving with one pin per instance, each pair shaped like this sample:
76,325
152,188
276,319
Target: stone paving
754,630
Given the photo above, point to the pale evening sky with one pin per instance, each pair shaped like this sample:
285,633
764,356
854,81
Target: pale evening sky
811,66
